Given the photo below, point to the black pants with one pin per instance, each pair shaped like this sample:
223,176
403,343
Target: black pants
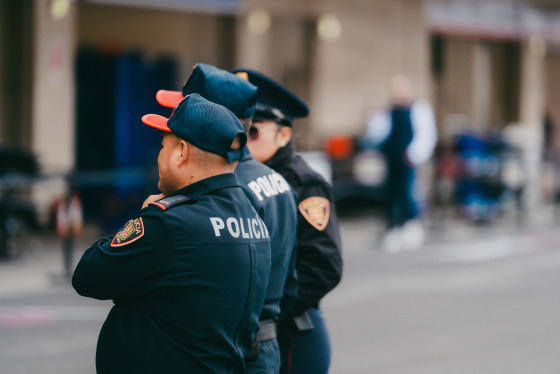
401,203
305,352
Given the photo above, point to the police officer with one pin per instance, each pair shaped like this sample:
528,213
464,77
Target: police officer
188,275
303,336
267,190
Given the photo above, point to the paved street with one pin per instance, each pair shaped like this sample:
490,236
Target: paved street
483,302
45,327
471,301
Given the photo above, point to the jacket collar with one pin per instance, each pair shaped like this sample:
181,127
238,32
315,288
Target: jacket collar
281,157
246,155
208,185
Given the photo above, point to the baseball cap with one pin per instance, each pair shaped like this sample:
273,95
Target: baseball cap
206,125
274,101
217,85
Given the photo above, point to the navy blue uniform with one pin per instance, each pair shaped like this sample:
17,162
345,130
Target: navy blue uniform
268,189
188,277
303,336
401,205
269,193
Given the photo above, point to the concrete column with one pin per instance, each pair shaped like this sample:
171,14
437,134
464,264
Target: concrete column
532,82
481,85
53,134
53,102
252,39
532,105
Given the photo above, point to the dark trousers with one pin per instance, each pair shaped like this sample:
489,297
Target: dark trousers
401,203
305,352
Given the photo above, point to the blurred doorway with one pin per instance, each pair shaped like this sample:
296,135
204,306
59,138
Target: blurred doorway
16,71
476,79
113,92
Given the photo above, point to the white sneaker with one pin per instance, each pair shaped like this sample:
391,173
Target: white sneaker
413,235
392,242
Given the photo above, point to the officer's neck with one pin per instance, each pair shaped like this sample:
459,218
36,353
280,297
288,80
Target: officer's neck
195,172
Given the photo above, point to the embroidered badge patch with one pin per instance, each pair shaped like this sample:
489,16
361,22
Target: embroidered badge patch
316,211
132,231
161,203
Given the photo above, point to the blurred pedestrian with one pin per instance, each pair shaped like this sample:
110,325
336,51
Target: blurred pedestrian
303,336
188,274
268,190
406,134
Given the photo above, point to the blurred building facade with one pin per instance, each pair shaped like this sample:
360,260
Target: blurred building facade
490,63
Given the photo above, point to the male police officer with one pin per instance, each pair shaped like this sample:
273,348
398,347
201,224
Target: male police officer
266,189
188,275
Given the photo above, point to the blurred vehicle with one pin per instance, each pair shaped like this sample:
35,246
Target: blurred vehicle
358,170
18,216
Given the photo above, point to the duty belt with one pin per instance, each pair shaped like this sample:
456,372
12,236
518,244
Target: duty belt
303,322
267,331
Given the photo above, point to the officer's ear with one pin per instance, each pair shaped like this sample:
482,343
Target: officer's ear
284,135
183,150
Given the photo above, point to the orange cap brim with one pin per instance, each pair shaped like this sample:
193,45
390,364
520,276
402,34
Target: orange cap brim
156,121
169,99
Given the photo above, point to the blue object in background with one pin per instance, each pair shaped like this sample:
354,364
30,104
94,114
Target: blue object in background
479,187
137,145
137,83
113,93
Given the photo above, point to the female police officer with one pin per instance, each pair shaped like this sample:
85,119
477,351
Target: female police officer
188,275
303,336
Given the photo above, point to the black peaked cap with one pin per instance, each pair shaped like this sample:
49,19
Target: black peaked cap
272,94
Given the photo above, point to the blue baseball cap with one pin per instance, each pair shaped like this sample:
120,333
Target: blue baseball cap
274,101
204,124
218,86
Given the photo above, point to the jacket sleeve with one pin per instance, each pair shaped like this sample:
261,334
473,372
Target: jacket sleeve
290,287
319,258
127,265
424,131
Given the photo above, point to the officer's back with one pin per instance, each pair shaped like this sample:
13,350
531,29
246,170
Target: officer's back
195,299
267,187
188,275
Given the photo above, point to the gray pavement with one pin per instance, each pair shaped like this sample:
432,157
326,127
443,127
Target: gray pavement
40,268
45,327
472,300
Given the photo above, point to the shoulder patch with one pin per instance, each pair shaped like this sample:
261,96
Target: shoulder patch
168,202
132,231
316,210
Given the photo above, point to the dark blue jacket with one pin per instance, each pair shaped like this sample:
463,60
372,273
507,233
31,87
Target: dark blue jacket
188,277
269,190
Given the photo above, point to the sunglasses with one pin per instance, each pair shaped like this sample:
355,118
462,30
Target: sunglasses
254,132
